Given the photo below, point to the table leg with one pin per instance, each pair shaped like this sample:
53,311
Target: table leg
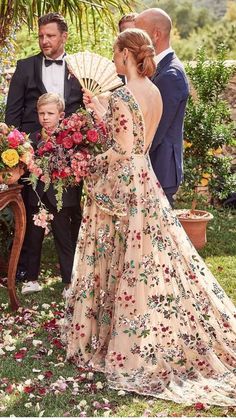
20,226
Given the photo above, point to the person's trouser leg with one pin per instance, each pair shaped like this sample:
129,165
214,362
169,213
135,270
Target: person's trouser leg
170,192
35,236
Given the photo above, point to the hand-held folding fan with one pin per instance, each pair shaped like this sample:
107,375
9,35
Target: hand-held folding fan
94,72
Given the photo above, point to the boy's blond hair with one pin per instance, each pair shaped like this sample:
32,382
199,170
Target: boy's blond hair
51,98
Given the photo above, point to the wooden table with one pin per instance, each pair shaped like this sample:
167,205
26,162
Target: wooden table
12,196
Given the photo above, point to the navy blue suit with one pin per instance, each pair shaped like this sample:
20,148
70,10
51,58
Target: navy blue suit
166,152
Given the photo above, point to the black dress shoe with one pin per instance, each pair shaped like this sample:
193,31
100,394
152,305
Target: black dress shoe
21,276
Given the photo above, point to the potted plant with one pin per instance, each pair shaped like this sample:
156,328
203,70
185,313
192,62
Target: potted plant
208,128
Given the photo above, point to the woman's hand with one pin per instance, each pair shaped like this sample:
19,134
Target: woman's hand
92,103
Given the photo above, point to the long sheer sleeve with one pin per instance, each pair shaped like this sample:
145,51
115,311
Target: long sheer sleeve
110,177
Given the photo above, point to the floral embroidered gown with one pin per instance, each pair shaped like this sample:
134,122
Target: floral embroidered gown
143,307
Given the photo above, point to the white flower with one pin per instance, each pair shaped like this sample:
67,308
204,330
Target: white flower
99,385
29,404
105,400
46,306
41,377
37,342
90,375
121,393
10,348
82,403
28,382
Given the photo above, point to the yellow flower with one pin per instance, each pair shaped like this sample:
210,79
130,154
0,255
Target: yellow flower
10,157
218,151
187,144
206,175
204,182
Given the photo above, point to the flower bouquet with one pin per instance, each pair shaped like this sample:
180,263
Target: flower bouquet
16,154
62,157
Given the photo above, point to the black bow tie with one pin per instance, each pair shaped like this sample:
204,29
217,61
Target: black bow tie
50,62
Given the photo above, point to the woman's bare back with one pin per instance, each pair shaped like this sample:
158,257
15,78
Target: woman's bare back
149,100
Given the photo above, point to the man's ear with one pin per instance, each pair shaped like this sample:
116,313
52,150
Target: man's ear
65,36
62,115
156,36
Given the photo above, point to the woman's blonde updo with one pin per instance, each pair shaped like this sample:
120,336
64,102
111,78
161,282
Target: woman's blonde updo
140,45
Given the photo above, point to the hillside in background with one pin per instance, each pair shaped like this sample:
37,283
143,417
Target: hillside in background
216,7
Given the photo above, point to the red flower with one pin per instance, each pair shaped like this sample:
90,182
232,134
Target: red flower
48,146
9,389
57,343
48,374
199,406
68,142
77,137
28,389
13,142
62,174
50,325
92,135
20,355
42,391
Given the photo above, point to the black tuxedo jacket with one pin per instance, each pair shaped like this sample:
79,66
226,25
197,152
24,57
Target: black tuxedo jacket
25,88
70,198
166,152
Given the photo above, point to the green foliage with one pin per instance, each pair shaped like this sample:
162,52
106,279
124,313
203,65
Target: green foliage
78,12
185,15
208,127
2,108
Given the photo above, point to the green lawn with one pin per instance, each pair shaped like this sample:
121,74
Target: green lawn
36,381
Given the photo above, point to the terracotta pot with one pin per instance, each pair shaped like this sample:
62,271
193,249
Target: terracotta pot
16,173
195,224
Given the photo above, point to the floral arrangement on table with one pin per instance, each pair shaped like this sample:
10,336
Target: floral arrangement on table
62,158
16,153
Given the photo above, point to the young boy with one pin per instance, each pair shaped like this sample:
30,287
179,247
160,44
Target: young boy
50,108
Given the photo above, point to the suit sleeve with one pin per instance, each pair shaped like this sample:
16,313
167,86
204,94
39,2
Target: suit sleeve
15,99
172,88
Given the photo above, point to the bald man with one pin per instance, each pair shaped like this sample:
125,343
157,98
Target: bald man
166,152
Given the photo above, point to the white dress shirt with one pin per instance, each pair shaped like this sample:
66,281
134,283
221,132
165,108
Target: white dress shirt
53,77
162,54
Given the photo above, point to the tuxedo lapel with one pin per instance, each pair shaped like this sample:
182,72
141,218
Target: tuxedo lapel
38,72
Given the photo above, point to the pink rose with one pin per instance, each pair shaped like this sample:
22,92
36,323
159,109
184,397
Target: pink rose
77,137
68,142
14,138
92,135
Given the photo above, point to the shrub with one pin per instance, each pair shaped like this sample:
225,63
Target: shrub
208,128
